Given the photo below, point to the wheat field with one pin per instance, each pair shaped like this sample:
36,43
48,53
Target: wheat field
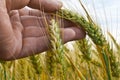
94,58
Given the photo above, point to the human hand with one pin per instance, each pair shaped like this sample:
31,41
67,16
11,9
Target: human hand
22,32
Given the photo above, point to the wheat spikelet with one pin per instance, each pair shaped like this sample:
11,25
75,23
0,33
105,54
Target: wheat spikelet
36,64
85,49
55,57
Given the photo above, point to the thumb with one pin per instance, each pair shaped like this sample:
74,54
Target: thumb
46,5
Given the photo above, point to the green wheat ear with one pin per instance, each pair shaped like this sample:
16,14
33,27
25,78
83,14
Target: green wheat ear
95,33
55,57
91,29
86,50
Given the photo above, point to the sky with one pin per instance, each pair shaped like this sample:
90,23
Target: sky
105,12
108,13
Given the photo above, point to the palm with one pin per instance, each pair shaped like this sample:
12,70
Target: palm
29,33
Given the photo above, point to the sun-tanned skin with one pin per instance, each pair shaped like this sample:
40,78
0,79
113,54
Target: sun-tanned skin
22,32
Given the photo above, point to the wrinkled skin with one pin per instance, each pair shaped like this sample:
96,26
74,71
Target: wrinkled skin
22,32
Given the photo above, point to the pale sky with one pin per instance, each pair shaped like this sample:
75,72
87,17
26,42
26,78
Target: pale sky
106,12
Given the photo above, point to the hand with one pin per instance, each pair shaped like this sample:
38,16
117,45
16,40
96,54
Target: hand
22,32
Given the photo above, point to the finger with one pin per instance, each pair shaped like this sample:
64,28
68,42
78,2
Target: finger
30,12
40,21
73,33
16,4
15,21
37,13
45,5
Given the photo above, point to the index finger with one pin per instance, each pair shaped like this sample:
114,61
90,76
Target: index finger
45,5
34,15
